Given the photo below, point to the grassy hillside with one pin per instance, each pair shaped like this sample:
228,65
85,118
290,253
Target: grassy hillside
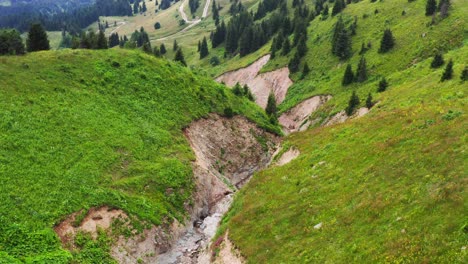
88,128
389,187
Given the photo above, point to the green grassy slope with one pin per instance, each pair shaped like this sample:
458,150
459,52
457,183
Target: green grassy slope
89,128
388,187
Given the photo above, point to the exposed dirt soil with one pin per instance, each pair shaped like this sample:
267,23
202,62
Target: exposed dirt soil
228,254
228,151
261,85
288,156
297,118
341,117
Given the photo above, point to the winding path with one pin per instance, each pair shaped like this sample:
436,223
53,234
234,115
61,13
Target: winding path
191,23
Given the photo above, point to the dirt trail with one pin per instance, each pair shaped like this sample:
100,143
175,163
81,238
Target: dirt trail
261,85
122,23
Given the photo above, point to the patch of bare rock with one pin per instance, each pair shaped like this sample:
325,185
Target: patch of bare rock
288,156
297,118
341,116
261,85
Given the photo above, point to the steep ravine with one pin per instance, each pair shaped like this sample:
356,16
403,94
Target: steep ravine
228,151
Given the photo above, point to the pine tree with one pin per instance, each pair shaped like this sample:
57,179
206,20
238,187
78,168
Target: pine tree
175,46
348,76
162,49
271,105
302,46
431,7
179,56
383,84
305,70
101,40
294,63
448,72
387,42
286,47
199,46
248,93
369,102
146,47
156,52
143,9
214,10
464,74
437,61
341,42
352,104
204,49
339,5
361,73
237,90
37,39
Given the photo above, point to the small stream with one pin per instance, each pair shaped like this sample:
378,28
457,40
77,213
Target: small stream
192,246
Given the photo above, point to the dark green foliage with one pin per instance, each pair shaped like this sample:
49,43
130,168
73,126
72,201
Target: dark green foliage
248,93
37,38
286,47
464,74
305,70
348,76
114,40
437,61
179,56
162,49
157,25
11,42
294,63
431,7
338,7
387,42
194,4
156,52
204,49
175,46
302,46
228,112
352,104
369,102
215,12
237,90
219,35
101,41
361,72
139,38
383,84
271,109
341,42
448,72
143,7
214,61
147,48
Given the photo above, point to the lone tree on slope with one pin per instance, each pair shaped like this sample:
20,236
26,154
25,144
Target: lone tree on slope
387,42
37,38
179,56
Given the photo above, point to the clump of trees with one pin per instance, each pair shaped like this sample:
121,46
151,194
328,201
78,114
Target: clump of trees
11,42
341,41
243,91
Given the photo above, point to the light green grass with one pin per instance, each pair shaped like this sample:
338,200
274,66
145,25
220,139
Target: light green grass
389,187
84,128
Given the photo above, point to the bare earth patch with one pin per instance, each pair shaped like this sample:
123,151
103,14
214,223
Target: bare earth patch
228,254
297,118
261,85
341,117
288,156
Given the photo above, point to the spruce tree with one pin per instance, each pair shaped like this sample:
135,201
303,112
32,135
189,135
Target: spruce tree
237,90
175,46
383,84
162,49
37,38
204,49
369,102
387,42
294,63
437,61
146,47
341,42
302,46
464,74
361,73
271,105
248,93
305,70
348,76
431,7
286,47
352,104
179,56
448,72
156,52
101,40
214,10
